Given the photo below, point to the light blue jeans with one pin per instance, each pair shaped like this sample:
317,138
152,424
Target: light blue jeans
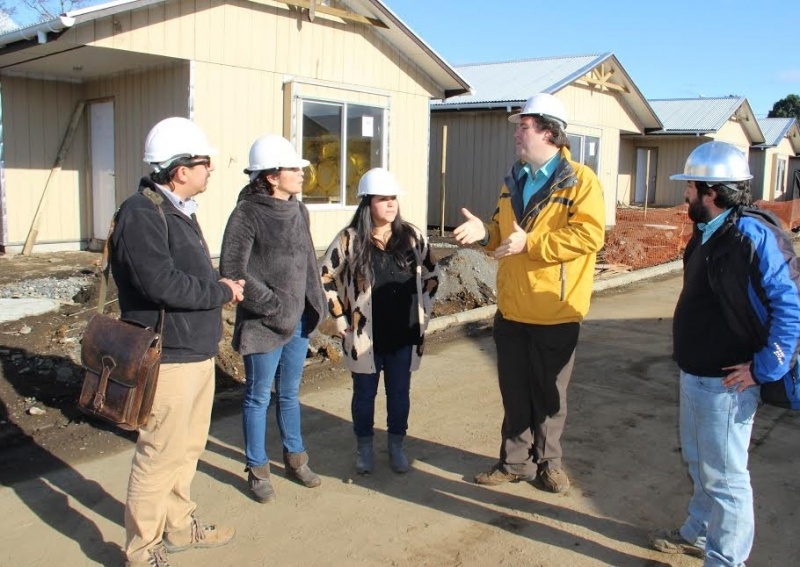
284,365
715,427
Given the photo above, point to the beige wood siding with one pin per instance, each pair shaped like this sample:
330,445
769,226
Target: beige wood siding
480,151
36,115
140,100
764,168
733,133
241,54
272,37
626,177
672,154
590,107
759,186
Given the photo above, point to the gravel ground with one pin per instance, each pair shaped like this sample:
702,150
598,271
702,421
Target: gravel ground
74,289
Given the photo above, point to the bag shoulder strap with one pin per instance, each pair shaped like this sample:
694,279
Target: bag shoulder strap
156,199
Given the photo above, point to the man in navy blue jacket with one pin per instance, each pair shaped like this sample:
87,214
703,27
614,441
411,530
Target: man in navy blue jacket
736,326
163,261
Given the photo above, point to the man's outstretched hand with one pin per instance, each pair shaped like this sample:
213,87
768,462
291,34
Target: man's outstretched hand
471,231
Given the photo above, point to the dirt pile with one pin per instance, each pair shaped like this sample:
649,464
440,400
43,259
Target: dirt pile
467,281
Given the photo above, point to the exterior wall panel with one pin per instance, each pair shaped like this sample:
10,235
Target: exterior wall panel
733,133
480,151
140,100
241,54
36,116
626,178
759,186
672,156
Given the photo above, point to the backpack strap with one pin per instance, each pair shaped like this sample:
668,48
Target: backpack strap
105,264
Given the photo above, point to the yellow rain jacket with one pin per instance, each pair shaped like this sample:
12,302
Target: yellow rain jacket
551,282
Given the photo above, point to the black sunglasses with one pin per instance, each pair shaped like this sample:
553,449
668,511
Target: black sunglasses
206,161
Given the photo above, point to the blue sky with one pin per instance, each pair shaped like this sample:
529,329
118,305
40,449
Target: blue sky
670,48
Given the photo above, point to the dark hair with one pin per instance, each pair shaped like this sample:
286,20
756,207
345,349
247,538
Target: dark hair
557,135
164,176
260,183
729,194
398,246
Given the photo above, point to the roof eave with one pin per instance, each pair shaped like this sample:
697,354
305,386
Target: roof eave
504,104
449,80
37,31
751,125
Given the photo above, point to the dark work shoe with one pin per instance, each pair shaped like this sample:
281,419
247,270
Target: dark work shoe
671,541
552,480
365,457
498,475
397,458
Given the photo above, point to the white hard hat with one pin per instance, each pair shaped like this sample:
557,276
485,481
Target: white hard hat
542,104
379,181
174,138
272,152
715,162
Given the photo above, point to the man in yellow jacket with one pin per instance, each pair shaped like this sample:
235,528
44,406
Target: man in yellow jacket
545,233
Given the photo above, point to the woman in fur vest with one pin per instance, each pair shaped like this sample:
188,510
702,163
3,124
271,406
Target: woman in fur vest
379,279
268,243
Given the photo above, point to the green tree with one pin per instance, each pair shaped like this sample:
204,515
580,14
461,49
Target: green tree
788,107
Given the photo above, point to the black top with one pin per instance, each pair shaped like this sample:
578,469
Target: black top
152,269
394,303
703,341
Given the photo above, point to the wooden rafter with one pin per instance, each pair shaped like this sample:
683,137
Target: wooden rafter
314,8
600,78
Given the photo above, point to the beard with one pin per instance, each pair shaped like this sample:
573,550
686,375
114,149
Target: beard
697,212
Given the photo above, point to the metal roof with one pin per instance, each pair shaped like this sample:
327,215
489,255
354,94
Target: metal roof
775,129
695,115
510,83
396,33
703,115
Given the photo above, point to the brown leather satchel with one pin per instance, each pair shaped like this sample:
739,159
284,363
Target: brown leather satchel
121,359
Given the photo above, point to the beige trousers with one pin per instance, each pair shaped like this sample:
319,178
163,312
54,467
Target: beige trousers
166,456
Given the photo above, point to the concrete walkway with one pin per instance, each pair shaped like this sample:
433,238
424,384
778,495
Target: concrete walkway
621,450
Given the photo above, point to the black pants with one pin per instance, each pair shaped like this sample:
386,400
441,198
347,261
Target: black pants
534,365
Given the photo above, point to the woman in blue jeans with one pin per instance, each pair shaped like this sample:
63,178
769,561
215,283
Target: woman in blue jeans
268,243
379,279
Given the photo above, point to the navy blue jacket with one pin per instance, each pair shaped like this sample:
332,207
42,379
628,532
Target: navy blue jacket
150,271
751,309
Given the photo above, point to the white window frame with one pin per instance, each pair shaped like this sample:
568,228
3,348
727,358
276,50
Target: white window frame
581,158
344,104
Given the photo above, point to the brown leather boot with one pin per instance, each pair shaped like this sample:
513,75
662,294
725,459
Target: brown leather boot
260,486
297,467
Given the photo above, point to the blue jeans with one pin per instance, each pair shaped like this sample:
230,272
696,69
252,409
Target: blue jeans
715,427
396,368
284,365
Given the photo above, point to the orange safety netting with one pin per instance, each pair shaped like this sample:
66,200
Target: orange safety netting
648,237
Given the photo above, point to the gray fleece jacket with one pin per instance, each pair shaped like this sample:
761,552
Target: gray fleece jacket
268,244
